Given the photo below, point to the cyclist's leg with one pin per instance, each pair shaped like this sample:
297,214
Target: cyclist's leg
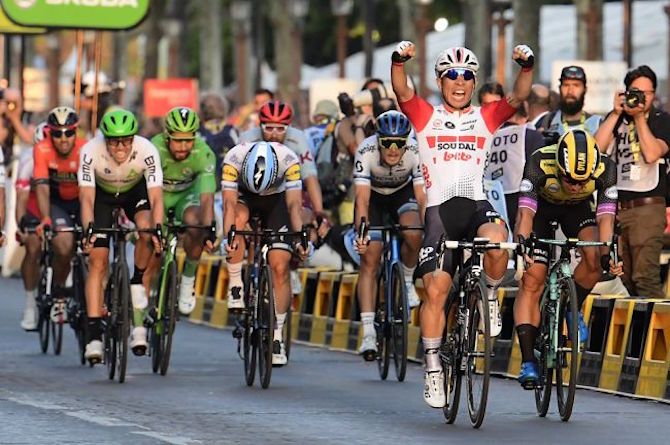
234,260
30,273
367,291
408,215
579,221
63,243
189,212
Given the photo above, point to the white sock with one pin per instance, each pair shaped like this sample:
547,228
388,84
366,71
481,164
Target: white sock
281,318
30,298
431,347
235,274
492,286
368,320
408,273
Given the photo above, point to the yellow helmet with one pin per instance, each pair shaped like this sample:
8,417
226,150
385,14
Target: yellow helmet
577,155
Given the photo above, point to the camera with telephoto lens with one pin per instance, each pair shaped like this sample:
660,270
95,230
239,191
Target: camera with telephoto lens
633,98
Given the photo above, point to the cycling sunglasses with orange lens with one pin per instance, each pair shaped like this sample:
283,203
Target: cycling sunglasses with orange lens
388,143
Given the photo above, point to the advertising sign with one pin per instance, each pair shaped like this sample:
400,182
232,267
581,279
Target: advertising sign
96,14
9,27
161,95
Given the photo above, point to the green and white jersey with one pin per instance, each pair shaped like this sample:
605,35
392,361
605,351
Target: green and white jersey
196,170
98,168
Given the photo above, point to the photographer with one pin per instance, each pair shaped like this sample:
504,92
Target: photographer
637,135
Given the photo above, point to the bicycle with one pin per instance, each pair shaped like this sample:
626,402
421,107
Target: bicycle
45,300
76,309
555,344
162,312
116,320
466,345
254,325
391,306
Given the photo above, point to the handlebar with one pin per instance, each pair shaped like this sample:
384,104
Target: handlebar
482,244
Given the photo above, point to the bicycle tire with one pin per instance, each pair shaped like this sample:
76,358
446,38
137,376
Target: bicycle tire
286,333
381,329
568,299
399,322
543,390
451,360
57,336
123,322
478,354
43,327
80,320
169,317
155,295
266,324
249,344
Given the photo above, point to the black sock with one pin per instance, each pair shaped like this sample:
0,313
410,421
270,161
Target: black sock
581,295
94,329
527,334
137,276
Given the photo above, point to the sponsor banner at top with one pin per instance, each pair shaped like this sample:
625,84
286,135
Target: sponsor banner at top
96,14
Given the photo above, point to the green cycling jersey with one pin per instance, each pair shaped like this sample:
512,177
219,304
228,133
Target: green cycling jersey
196,170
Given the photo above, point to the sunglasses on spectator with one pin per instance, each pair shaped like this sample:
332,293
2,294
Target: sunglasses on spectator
274,128
388,143
453,74
115,142
56,134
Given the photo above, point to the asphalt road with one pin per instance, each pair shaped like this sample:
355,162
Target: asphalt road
322,397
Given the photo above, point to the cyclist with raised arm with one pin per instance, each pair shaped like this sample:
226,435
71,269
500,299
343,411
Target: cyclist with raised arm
56,161
454,139
189,184
119,169
387,181
558,183
28,217
263,178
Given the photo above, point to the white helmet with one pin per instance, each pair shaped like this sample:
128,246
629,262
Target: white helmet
88,83
40,132
455,57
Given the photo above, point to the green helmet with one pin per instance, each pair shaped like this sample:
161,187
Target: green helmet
182,120
118,123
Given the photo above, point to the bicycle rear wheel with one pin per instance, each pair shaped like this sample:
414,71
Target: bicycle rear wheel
543,343
78,317
249,343
381,327
168,316
266,324
451,361
43,312
478,353
57,336
286,333
399,322
567,350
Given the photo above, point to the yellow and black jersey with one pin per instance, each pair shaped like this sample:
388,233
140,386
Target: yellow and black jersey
541,180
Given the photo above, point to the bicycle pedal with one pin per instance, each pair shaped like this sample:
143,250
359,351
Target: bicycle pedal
237,333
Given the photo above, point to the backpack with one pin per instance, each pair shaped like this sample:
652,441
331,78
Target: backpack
334,170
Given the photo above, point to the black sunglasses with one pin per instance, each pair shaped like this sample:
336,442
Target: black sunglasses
59,133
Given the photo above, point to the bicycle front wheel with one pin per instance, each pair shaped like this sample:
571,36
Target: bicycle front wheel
168,316
478,354
43,310
286,333
567,348
57,335
384,344
79,320
249,343
266,324
451,360
123,321
399,322
543,345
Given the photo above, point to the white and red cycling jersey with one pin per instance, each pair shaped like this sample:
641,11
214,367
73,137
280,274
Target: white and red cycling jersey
454,147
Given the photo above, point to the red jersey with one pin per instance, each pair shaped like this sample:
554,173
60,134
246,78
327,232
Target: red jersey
60,173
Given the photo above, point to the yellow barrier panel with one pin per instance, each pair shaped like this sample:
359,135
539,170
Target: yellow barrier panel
616,342
655,365
345,296
222,279
340,336
324,292
181,258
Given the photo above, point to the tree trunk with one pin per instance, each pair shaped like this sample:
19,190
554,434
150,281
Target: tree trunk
368,44
589,29
285,64
526,25
154,34
477,19
211,50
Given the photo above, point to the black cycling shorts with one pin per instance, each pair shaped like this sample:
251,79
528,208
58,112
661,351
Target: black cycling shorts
63,211
273,214
571,218
134,200
457,219
391,206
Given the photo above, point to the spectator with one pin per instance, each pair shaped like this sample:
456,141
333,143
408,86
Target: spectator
538,103
490,92
571,114
324,118
248,118
637,136
11,111
219,135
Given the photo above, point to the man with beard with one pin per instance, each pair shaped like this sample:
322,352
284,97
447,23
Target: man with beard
570,114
